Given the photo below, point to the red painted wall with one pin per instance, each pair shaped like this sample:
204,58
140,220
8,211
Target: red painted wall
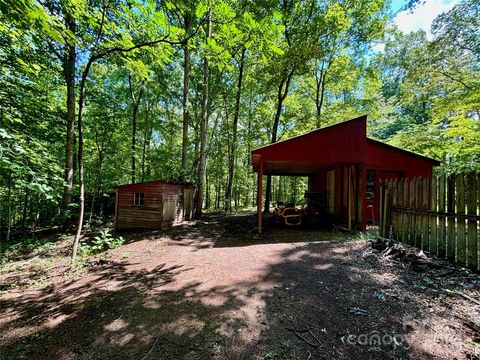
386,157
344,142
329,147
391,162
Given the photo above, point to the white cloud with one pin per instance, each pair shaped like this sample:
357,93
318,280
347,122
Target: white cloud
422,15
378,47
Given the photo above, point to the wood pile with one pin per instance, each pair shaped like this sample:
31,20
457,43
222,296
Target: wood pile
418,261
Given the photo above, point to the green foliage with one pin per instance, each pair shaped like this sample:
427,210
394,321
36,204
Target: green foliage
25,245
105,241
435,88
420,94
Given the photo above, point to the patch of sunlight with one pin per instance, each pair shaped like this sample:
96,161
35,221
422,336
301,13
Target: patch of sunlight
323,266
214,300
151,304
185,325
115,325
54,321
386,278
341,250
125,339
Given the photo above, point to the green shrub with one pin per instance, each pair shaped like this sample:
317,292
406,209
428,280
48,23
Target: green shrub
105,241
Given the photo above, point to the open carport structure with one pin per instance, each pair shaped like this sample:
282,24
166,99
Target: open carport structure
341,162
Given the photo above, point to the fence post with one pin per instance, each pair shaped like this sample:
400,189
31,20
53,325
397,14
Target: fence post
411,206
441,220
394,214
400,214
460,202
450,219
434,218
425,202
380,223
388,209
418,217
472,251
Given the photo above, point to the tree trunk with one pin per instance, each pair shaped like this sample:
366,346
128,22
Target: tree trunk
81,201
320,92
96,194
282,94
135,104
186,81
146,140
203,126
25,207
207,191
69,74
231,163
9,207
81,103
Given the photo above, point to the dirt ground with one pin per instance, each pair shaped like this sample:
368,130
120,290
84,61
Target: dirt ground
210,290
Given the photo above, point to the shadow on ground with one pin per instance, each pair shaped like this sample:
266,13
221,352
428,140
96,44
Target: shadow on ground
308,300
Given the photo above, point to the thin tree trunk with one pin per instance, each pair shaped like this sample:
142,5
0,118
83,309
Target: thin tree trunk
320,92
233,150
25,207
203,126
146,140
9,207
219,194
186,81
207,191
69,73
81,201
135,104
81,104
282,94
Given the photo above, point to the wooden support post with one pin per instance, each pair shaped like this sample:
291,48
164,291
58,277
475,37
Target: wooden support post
259,198
401,216
460,209
425,206
406,216
393,213
434,218
116,212
418,218
362,193
382,206
451,220
386,211
411,205
472,251
350,198
441,246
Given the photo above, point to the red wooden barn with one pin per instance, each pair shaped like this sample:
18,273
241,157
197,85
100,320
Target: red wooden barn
344,165
153,205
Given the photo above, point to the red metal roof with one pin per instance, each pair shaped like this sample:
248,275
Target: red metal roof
345,142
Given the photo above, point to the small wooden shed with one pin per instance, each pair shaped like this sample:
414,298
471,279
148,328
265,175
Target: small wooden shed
153,205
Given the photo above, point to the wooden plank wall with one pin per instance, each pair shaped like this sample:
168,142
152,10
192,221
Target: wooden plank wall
440,215
188,194
163,206
148,216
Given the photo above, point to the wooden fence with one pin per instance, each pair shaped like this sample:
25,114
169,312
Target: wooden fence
438,214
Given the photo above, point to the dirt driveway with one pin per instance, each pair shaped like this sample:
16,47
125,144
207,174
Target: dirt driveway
209,290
